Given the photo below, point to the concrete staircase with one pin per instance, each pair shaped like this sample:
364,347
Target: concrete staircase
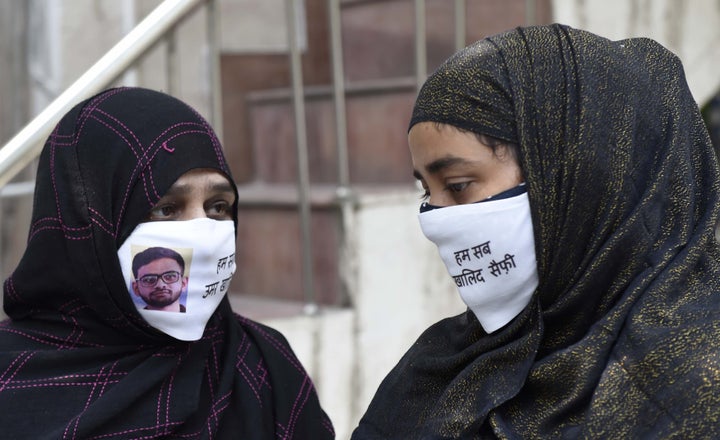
377,281
378,61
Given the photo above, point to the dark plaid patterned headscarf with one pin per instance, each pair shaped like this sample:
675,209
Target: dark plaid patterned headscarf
622,337
76,359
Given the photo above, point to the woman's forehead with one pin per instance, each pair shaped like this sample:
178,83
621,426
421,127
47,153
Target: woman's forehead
201,178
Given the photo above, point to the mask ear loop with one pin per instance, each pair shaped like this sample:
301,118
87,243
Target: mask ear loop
508,193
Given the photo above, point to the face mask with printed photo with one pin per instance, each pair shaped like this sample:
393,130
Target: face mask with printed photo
489,251
177,272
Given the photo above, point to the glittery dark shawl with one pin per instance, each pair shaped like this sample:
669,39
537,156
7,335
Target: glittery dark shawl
76,359
622,338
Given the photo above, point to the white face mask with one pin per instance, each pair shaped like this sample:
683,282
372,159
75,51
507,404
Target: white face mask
174,300
489,250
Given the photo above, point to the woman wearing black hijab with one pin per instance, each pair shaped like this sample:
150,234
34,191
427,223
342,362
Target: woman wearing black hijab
81,357
592,286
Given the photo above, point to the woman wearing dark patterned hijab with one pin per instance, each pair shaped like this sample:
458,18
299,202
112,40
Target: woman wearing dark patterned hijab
119,323
593,285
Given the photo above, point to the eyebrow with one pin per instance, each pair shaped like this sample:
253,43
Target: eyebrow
176,190
224,186
438,165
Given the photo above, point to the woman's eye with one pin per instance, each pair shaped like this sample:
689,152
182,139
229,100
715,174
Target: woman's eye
219,209
161,212
457,187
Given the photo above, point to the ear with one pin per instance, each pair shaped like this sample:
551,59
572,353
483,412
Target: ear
135,289
184,282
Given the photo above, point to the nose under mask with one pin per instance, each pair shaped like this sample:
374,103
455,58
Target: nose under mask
489,250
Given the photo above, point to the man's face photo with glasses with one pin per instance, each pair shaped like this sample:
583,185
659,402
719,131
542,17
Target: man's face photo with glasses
159,283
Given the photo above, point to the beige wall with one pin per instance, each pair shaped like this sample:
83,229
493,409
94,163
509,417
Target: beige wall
690,28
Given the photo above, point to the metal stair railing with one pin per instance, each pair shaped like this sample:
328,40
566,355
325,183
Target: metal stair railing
26,145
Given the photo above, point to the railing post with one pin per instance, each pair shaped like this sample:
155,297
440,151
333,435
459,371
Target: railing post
460,24
302,157
172,63
343,191
214,77
530,12
338,79
420,49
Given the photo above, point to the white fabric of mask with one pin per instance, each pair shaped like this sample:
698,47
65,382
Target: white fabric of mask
489,251
207,247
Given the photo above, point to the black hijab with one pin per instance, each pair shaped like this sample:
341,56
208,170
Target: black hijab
622,337
76,359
